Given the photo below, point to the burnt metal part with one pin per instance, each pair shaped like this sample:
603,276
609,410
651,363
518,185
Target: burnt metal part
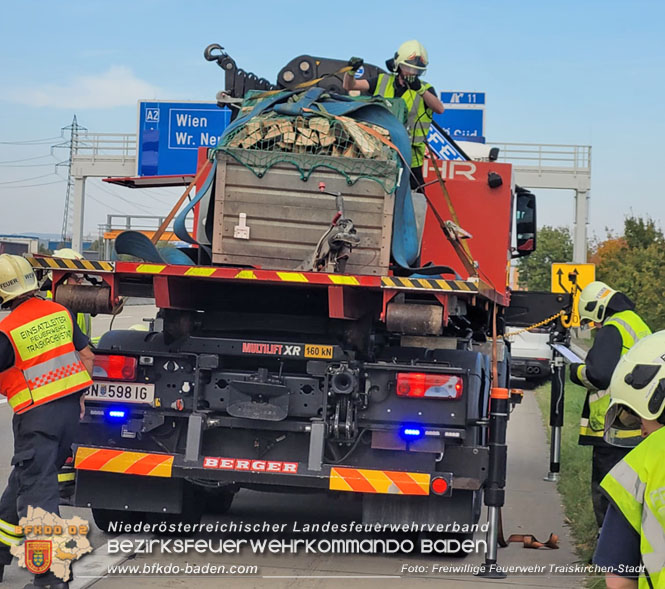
414,319
84,299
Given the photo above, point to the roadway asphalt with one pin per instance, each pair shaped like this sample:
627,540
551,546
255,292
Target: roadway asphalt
533,506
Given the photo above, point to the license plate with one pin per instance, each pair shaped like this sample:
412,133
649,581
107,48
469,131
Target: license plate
126,392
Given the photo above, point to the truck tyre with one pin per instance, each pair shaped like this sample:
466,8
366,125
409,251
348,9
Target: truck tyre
104,518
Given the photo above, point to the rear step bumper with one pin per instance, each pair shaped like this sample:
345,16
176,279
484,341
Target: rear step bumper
238,471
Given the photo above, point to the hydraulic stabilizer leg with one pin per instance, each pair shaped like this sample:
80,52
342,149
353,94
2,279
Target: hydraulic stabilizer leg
496,478
556,412
556,416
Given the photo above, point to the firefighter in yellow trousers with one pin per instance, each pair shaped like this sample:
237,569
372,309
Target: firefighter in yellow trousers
620,328
45,365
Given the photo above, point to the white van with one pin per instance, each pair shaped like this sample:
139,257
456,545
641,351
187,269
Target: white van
531,355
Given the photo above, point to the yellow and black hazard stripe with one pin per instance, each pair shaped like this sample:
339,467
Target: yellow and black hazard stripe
428,284
63,264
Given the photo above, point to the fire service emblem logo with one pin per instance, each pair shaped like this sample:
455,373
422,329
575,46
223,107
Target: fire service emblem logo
38,555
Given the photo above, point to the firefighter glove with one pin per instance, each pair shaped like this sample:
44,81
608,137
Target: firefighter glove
355,63
574,375
414,83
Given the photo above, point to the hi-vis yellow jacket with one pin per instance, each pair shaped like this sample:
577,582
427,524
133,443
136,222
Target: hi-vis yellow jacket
419,117
636,486
632,328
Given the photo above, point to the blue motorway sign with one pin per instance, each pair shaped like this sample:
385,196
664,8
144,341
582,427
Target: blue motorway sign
463,98
441,146
460,123
464,115
170,134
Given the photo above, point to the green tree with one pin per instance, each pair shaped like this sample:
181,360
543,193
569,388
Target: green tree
635,265
554,244
641,233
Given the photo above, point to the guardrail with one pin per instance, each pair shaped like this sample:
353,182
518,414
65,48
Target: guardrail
576,158
121,145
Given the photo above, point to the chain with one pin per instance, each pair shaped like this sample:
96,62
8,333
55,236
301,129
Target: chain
535,325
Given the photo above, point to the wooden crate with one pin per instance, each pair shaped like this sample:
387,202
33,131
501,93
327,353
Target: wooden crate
287,217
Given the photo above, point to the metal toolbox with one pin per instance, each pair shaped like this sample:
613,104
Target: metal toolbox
287,216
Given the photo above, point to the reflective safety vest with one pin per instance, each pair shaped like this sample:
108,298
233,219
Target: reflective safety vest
632,328
46,364
636,485
419,117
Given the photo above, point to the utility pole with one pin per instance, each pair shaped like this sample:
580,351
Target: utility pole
72,145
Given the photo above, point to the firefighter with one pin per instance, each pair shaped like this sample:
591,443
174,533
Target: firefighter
83,320
632,540
403,81
45,364
620,329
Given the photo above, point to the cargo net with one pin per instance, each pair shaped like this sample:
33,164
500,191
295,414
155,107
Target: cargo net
340,143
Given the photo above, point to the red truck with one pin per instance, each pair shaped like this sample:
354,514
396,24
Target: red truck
350,375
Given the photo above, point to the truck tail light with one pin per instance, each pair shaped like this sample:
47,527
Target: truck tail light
114,367
430,386
440,486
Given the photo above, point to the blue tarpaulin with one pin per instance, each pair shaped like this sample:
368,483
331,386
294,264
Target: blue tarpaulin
316,102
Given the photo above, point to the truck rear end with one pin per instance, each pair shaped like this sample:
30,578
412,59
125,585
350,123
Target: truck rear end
275,366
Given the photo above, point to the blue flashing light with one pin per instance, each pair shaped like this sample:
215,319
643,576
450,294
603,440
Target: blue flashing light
117,414
411,432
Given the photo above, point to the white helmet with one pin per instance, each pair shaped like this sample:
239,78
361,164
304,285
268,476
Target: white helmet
16,277
637,389
412,54
593,301
67,253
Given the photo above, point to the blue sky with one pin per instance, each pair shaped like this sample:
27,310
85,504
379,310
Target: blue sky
585,72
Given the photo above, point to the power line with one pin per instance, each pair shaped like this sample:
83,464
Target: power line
27,165
105,204
28,179
32,185
129,202
44,141
27,159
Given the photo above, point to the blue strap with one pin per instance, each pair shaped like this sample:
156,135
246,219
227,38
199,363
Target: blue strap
294,109
179,227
